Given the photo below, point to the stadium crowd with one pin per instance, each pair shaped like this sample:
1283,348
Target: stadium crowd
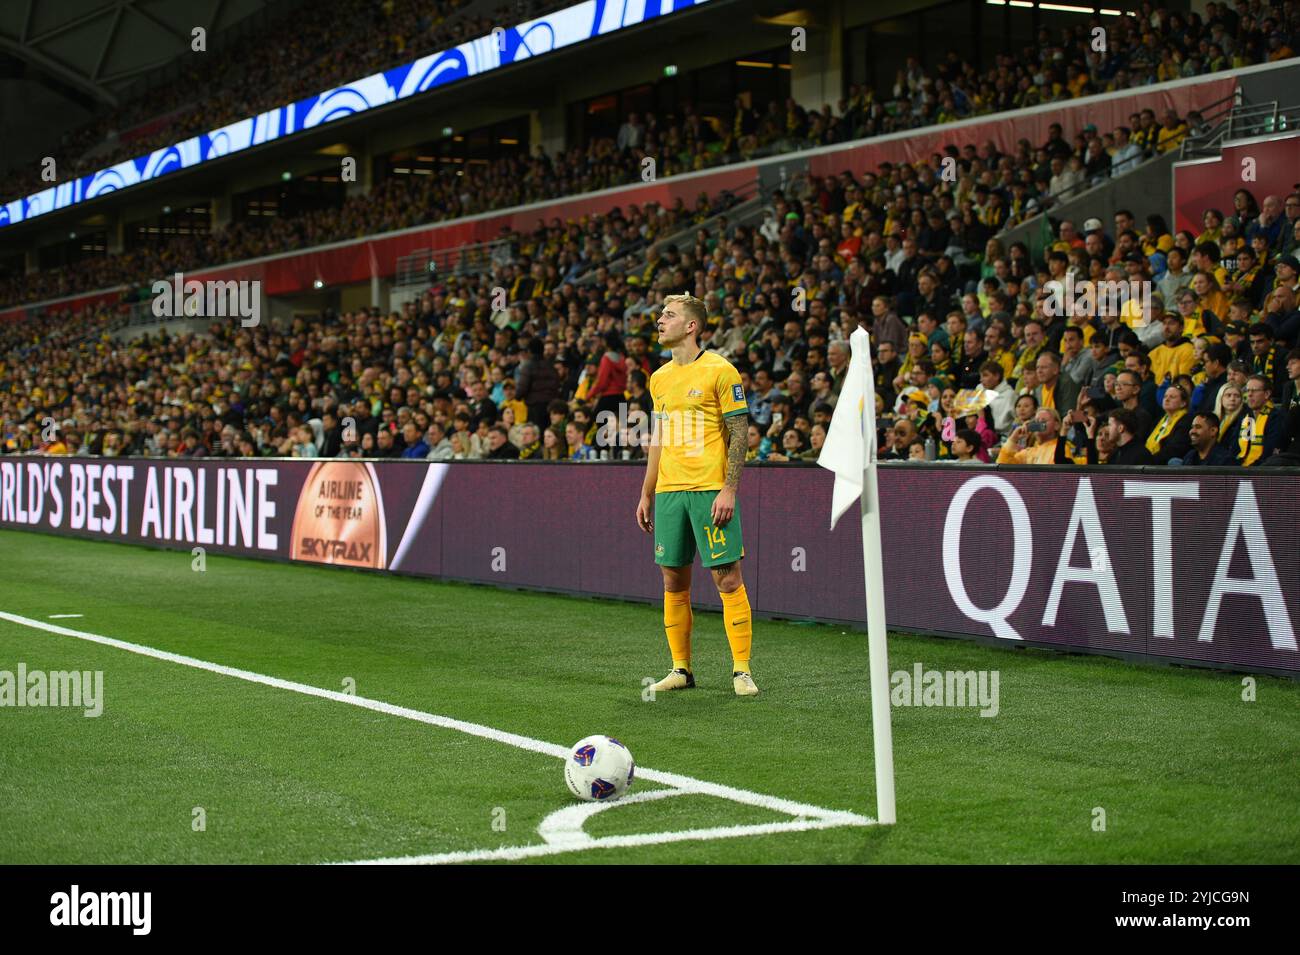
994,191
1157,45
396,203
976,358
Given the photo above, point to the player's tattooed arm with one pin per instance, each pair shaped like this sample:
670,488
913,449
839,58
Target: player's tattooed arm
737,444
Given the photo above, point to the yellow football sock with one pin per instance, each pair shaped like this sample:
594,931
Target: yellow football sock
677,625
740,627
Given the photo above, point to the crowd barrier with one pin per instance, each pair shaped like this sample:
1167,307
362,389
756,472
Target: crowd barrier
1191,566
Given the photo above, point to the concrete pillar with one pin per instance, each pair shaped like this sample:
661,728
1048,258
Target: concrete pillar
379,289
817,74
222,210
365,172
264,313
546,127
115,238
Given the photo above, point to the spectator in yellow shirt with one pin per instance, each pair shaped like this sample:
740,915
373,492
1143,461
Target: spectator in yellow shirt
1171,134
995,342
1175,355
1278,48
1028,357
510,401
1038,442
1210,296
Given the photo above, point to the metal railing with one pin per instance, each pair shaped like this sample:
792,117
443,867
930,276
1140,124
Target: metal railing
1215,118
414,269
419,270
743,202
1213,127
141,313
1240,122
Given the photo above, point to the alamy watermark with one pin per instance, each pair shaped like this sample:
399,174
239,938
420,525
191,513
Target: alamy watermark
179,298
922,687
130,909
632,427
76,688
1072,299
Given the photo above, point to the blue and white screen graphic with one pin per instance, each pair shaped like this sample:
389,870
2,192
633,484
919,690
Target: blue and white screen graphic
506,46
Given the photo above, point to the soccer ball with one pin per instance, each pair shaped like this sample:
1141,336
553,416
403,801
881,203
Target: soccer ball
599,769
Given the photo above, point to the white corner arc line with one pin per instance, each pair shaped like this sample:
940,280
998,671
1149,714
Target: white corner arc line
564,826
516,853
810,816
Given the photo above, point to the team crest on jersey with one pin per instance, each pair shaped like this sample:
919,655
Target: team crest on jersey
659,550
738,392
695,393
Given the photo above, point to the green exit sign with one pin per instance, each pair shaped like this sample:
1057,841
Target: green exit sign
670,70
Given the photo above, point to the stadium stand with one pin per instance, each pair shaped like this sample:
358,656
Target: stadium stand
968,354
1005,191
1169,46
452,370
335,45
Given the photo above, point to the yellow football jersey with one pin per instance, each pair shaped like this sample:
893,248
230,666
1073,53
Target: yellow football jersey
690,402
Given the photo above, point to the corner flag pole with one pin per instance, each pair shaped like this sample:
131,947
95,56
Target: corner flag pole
873,566
850,452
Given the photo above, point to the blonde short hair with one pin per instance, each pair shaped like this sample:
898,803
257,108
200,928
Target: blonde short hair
692,306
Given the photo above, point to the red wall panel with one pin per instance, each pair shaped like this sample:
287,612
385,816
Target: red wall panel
1210,183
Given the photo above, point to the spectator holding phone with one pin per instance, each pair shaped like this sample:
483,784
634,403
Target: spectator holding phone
1036,442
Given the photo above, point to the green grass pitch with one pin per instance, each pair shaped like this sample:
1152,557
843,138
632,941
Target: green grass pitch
1186,771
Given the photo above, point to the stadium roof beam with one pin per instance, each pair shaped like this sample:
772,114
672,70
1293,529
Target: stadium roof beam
66,25
108,44
74,79
216,14
94,47
184,38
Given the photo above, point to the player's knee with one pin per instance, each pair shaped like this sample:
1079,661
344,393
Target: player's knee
727,577
676,579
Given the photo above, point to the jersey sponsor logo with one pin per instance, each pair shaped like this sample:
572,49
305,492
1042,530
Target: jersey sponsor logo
738,392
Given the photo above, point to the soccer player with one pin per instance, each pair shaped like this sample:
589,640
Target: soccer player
688,498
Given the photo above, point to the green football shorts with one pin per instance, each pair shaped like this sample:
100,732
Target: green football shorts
684,521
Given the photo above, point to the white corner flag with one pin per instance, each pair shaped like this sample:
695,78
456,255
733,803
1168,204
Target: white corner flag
850,452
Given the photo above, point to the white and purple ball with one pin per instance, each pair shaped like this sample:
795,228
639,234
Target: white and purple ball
599,769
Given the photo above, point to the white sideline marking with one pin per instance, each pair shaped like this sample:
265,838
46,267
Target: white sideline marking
811,817
65,616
